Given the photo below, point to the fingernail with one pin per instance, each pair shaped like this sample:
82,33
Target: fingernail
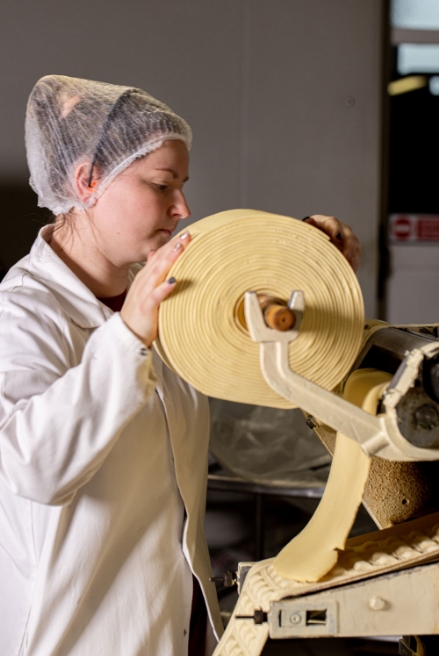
338,235
171,281
178,246
185,235
305,218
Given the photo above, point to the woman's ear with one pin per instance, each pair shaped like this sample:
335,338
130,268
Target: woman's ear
84,187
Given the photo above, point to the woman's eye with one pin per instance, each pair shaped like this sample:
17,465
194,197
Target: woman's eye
161,187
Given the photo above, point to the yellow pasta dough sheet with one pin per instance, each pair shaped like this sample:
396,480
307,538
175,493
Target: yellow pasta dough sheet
313,553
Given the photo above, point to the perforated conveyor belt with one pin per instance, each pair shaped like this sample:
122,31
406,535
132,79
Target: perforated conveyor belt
397,548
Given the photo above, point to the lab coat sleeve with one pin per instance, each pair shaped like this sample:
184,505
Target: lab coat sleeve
58,422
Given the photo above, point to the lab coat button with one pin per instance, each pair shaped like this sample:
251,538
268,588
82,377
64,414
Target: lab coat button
143,351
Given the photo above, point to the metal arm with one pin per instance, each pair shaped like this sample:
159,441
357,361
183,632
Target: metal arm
375,434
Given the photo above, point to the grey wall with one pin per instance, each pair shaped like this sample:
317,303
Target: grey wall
283,95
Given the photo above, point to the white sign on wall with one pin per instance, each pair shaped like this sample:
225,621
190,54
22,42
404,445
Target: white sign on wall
409,228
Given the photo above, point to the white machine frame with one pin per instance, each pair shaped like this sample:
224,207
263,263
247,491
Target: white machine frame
379,585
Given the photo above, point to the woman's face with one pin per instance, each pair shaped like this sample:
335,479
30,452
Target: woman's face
142,206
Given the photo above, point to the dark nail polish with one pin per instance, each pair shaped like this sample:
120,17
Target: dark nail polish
305,218
171,281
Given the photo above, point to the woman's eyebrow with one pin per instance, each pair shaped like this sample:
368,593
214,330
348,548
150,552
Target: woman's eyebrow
172,172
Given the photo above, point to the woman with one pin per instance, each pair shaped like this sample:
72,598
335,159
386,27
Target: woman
103,450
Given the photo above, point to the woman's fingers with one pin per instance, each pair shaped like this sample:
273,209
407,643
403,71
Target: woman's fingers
162,291
341,235
158,265
150,287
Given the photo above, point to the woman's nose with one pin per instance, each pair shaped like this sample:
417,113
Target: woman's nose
180,208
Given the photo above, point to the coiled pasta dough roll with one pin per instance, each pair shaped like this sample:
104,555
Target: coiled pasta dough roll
202,332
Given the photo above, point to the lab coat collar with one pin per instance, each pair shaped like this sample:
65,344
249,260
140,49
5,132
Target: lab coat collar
76,299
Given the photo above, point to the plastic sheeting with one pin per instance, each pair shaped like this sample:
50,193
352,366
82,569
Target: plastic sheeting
269,445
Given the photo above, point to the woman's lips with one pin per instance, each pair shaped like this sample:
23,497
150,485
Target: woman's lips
169,229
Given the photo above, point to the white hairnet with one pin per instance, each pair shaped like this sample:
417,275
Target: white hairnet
70,121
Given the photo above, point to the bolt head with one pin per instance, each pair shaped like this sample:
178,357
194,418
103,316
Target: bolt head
258,616
295,618
377,603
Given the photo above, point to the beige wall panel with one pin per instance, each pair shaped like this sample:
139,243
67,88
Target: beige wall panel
413,284
185,52
313,102
263,83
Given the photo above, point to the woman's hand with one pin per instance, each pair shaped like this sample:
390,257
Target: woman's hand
341,236
150,288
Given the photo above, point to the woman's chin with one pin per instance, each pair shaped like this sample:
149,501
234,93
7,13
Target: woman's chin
153,244
159,239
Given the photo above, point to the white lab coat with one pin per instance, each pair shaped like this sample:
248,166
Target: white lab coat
102,448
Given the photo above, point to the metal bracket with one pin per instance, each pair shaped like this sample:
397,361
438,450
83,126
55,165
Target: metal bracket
375,434
289,617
